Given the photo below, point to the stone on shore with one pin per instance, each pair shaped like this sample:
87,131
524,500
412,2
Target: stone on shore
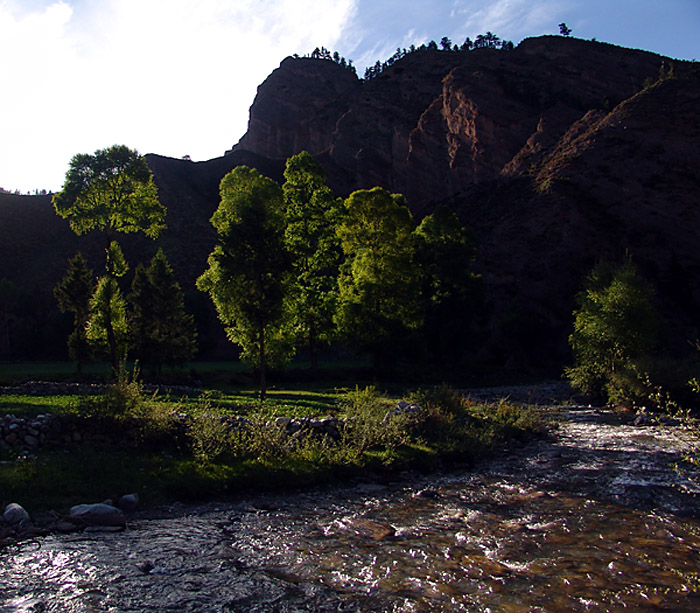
99,514
128,502
15,514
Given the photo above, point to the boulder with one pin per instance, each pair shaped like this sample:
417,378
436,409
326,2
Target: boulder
99,514
15,515
128,502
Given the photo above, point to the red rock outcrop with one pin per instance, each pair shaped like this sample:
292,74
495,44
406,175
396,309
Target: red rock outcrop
435,122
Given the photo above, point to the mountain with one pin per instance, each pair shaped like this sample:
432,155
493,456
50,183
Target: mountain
556,153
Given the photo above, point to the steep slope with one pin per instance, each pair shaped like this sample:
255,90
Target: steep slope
621,181
435,122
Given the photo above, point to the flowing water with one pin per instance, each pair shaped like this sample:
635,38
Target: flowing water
593,518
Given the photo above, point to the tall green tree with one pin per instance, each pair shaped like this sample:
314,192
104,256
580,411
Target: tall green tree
73,295
615,325
161,331
249,269
311,213
452,294
379,289
108,329
111,191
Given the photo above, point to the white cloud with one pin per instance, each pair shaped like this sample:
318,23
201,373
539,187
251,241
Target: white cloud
173,77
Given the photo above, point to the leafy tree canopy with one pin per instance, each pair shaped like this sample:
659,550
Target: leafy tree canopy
379,283
311,212
615,325
452,293
249,268
112,191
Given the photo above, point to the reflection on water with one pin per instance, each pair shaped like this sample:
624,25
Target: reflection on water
584,522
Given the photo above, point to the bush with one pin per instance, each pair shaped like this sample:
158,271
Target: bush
369,426
615,326
210,437
121,400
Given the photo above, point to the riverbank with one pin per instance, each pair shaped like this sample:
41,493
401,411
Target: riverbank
593,517
122,441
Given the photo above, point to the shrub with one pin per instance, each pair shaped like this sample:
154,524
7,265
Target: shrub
210,437
122,399
368,425
615,325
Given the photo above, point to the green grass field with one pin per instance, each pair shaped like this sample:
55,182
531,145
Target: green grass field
144,448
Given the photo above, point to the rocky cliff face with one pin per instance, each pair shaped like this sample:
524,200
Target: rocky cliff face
435,122
297,108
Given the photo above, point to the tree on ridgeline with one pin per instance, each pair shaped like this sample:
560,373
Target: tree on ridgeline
564,30
311,214
161,332
111,191
379,286
73,294
250,268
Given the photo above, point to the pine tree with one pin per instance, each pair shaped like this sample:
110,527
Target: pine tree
73,294
161,331
113,192
107,329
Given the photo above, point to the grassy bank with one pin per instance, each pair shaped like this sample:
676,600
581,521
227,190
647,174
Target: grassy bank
143,444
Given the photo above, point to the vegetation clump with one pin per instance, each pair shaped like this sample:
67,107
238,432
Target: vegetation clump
192,448
616,326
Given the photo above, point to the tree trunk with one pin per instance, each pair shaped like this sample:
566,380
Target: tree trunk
262,364
313,350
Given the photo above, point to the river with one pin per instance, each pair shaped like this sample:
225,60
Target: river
592,518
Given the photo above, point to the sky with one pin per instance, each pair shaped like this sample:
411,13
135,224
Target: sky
177,77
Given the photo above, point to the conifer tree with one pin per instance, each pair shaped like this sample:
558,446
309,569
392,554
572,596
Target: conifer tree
73,294
160,329
107,330
111,191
